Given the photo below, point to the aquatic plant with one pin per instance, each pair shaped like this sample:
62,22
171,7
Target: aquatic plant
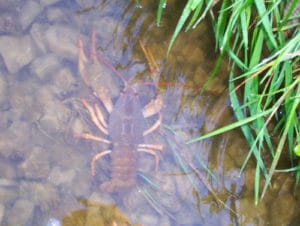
262,41
95,213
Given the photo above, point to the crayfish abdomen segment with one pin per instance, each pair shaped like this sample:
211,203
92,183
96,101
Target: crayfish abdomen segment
123,171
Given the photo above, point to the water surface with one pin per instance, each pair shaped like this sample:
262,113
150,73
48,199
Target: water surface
45,168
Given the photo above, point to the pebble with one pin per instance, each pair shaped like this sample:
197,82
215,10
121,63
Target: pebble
286,204
8,193
3,91
11,4
43,195
67,157
21,213
17,52
29,11
17,149
55,118
56,14
64,82
82,183
60,177
86,4
184,187
8,23
46,66
37,33
36,166
21,99
55,114
7,170
62,40
165,221
78,127
248,214
134,199
102,198
2,209
48,2
148,219
110,23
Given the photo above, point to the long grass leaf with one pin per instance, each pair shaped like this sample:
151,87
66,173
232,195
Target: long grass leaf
195,16
244,18
230,126
190,6
208,7
161,6
290,122
262,13
220,25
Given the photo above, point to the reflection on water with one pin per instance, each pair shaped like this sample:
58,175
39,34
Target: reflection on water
44,169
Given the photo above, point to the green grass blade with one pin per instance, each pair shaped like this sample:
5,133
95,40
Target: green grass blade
230,126
161,6
262,13
208,7
290,122
195,16
190,6
245,18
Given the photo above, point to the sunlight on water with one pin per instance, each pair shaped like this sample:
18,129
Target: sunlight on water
52,129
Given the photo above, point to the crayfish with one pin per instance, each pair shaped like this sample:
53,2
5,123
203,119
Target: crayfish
124,129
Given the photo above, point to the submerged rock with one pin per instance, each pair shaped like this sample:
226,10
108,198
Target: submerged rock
16,52
286,204
3,91
2,208
14,141
61,177
249,215
56,14
37,33
64,82
48,2
11,4
28,13
8,23
43,195
55,118
62,40
8,192
45,66
86,4
55,115
36,165
96,214
22,102
7,170
21,213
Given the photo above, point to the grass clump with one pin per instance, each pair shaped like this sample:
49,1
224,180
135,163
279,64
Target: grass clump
262,41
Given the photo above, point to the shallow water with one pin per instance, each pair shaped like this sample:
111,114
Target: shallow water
45,170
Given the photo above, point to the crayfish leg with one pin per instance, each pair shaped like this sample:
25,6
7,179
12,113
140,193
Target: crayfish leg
151,152
95,119
88,136
95,158
154,126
